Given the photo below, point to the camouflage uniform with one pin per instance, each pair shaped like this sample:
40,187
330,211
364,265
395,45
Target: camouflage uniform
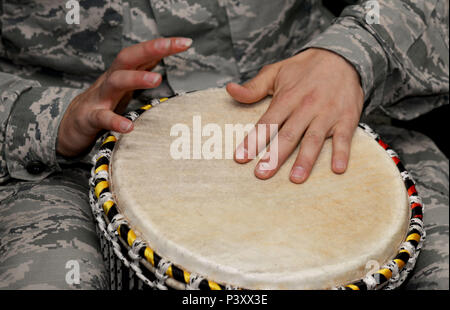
45,62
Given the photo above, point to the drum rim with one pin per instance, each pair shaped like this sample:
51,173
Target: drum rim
136,254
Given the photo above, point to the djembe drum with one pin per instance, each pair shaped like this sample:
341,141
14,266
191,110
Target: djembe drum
196,223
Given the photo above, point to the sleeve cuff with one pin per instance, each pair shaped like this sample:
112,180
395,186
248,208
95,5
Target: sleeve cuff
32,130
349,39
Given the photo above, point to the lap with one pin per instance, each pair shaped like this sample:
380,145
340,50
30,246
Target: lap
47,234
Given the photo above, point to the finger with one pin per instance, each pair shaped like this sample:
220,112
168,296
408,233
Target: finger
121,81
107,119
148,52
282,147
342,140
283,104
257,88
310,147
255,142
269,163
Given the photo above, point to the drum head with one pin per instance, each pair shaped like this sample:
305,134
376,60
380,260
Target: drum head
213,217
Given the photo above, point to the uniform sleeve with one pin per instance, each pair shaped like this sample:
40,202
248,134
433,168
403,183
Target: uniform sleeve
39,53
29,120
401,54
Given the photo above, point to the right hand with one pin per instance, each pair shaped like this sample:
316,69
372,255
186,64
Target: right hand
99,106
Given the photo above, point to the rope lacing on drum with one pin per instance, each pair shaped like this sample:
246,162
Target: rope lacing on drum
160,274
102,153
231,287
107,196
116,221
370,282
154,102
93,203
101,175
369,130
406,176
408,247
393,267
194,282
137,245
133,253
414,253
110,234
416,199
418,224
91,179
97,211
132,115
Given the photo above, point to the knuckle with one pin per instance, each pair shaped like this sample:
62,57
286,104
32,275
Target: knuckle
94,118
283,100
313,137
341,138
114,79
284,97
121,58
136,78
309,99
288,135
150,48
99,115
350,113
344,134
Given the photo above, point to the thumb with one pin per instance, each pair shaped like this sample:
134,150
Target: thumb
257,88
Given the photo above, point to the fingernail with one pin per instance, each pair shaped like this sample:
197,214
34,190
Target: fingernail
125,125
339,165
183,42
152,78
241,152
263,168
162,44
298,173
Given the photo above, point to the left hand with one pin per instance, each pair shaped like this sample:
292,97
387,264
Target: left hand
316,94
100,106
